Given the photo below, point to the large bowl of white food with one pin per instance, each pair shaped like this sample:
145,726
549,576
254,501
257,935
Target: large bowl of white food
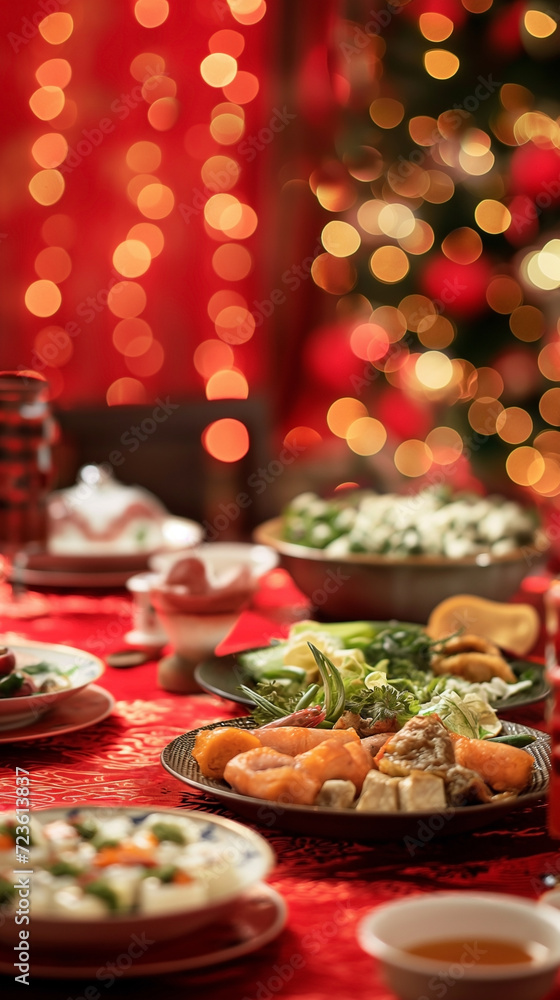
384,556
103,874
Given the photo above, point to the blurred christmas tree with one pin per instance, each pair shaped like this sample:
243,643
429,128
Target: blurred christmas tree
442,245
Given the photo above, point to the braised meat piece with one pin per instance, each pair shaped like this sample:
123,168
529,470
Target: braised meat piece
423,744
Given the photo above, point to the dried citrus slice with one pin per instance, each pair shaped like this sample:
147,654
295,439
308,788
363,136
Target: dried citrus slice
514,627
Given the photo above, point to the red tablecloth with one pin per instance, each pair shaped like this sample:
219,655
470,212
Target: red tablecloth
328,885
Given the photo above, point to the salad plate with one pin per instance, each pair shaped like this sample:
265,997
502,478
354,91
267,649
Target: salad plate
347,824
223,675
259,918
86,708
70,671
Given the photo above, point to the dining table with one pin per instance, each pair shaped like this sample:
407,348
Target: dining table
325,886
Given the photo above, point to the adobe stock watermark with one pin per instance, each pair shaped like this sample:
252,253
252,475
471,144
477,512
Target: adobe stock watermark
121,108
115,969
291,279
258,482
313,943
248,149
362,35
30,25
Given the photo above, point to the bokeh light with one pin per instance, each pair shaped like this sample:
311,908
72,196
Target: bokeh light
43,298
342,414
56,28
340,239
53,263
149,234
218,69
413,458
226,439
47,102
126,299
151,13
126,391
227,384
212,356
366,436
389,264
441,64
47,187
232,262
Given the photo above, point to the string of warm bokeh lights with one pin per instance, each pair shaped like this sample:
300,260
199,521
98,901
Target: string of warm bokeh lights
230,222
379,200
53,263
133,336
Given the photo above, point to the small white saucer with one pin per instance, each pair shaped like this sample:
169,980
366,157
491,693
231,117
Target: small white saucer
259,917
84,709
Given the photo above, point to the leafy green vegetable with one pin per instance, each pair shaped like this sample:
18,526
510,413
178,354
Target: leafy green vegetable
167,831
514,739
469,715
383,704
10,684
165,873
407,648
104,892
275,705
87,828
64,868
254,661
285,673
352,634
335,695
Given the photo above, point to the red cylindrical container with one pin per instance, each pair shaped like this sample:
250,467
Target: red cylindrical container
26,433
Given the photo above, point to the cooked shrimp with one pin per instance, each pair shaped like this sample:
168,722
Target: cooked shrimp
346,761
267,774
475,667
504,768
293,740
305,717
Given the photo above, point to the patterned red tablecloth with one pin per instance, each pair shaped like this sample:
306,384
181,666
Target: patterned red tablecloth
328,885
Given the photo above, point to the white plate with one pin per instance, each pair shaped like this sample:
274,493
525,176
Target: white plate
87,707
243,859
259,918
105,569
17,712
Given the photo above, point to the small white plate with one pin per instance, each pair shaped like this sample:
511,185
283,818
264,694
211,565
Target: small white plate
259,918
82,669
87,707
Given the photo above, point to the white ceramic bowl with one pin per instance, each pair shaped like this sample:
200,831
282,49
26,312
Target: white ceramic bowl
468,916
82,669
221,556
246,852
195,635
379,587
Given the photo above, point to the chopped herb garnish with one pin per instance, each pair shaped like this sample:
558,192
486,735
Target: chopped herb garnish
166,831
104,892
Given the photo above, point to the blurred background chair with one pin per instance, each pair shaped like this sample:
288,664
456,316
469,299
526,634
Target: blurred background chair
160,448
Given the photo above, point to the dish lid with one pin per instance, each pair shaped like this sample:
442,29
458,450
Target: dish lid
100,514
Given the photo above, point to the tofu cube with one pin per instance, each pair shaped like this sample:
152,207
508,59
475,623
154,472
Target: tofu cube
422,791
336,794
379,793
